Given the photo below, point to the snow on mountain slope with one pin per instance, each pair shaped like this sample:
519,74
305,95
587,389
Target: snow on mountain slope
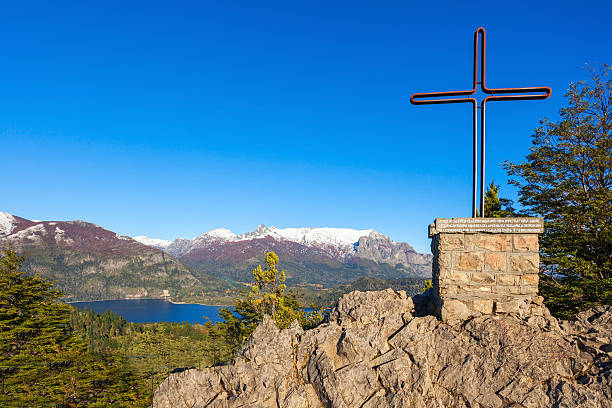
340,237
222,234
7,222
306,236
153,242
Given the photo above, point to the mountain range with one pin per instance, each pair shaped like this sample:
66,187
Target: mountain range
89,262
310,256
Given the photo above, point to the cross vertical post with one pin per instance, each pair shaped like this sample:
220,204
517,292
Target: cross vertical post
495,94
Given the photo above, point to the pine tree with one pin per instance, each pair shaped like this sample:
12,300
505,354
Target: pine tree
267,296
35,339
494,206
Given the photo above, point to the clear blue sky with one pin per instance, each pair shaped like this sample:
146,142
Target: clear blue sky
171,118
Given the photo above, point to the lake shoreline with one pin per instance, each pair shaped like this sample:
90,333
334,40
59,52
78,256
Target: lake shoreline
154,310
166,299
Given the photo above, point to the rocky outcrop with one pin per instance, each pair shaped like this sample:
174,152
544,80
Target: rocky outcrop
379,349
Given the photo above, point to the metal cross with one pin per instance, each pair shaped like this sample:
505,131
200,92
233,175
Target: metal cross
496,94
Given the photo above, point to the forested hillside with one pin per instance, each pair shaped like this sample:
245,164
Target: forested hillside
88,262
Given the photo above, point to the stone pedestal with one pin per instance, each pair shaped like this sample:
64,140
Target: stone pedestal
485,266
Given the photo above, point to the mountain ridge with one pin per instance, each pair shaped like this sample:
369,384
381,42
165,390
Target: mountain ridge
305,235
344,245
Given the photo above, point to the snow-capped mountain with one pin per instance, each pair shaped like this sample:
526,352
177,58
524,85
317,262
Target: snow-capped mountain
342,247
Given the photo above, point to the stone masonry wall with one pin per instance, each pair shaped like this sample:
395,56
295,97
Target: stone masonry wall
484,273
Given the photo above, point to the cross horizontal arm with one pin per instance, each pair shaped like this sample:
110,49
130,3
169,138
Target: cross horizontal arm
544,93
442,95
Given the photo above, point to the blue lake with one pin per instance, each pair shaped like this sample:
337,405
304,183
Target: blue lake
154,310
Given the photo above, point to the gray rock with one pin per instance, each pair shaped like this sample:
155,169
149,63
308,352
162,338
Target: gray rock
381,248
375,352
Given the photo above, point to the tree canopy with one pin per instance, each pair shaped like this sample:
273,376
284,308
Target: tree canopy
567,180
